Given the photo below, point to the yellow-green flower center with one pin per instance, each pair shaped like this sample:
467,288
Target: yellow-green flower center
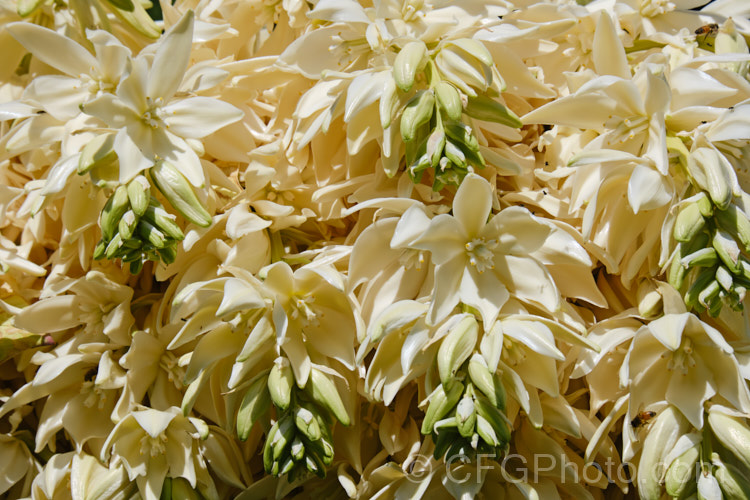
480,253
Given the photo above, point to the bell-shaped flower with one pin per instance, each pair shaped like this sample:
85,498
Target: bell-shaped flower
153,445
101,305
406,348
382,261
684,361
85,75
81,389
481,263
313,314
151,122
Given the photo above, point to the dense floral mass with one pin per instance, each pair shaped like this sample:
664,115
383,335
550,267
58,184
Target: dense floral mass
392,249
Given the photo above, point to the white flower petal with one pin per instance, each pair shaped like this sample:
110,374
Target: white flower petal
132,159
647,189
708,487
110,53
54,49
668,329
345,11
535,335
484,292
111,110
410,226
132,88
171,59
242,222
14,109
198,117
239,295
472,204
60,96
528,280
50,315
173,148
445,294
309,53
692,87
608,53
444,238
59,174
154,422
364,90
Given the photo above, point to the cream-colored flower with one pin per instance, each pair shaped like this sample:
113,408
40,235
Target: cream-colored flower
79,389
313,315
151,124
153,445
685,361
95,301
86,75
481,263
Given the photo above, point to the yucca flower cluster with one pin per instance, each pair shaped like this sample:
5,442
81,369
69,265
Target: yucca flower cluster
374,249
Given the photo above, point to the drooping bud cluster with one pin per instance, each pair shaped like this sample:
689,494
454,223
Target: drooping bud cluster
466,411
707,463
460,78
710,265
300,441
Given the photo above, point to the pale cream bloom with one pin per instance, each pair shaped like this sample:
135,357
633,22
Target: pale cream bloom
151,123
79,391
86,75
345,281
481,263
152,445
685,361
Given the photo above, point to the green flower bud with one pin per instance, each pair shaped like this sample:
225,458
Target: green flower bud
113,210
139,193
164,222
178,191
127,225
689,223
705,257
486,381
409,61
495,417
298,450
680,476
441,401
323,391
449,100
113,247
466,416
149,233
456,347
704,278
461,134
280,383
98,152
255,403
732,481
417,112
487,109
733,433
728,251
283,438
306,423
734,221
